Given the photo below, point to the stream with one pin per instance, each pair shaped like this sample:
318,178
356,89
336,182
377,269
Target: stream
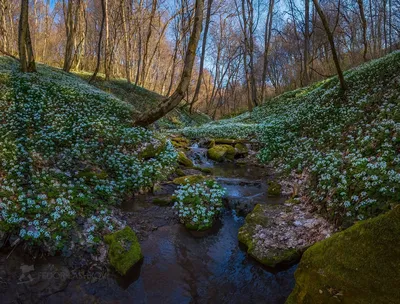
178,266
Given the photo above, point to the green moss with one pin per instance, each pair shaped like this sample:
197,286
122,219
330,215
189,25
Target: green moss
189,179
241,149
124,249
358,265
161,202
225,141
204,170
152,151
274,188
196,227
180,142
221,152
183,160
179,172
273,257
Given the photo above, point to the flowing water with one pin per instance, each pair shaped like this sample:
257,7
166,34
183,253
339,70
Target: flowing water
178,266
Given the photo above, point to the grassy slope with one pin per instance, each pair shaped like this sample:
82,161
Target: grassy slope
142,99
68,152
349,146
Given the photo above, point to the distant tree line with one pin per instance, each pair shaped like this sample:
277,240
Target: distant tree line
217,56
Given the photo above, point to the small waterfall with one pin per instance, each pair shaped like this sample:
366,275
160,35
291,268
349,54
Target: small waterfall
199,156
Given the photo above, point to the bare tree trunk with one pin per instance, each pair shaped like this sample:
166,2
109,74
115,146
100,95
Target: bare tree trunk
99,43
139,29
47,29
306,40
26,57
126,45
373,51
107,55
3,25
329,34
71,24
251,53
170,103
146,45
364,27
267,41
203,52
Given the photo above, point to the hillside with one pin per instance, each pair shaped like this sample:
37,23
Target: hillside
68,153
142,100
348,146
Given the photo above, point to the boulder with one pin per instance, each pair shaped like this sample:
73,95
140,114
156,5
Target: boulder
124,249
274,188
151,150
180,142
277,235
221,152
189,179
358,265
241,149
184,160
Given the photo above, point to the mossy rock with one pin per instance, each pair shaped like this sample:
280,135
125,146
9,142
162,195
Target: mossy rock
179,172
204,170
152,151
225,141
180,142
274,257
189,179
358,265
193,227
221,152
184,160
124,249
161,201
241,149
274,188
211,144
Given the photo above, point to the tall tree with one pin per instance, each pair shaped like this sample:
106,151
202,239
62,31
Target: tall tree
203,52
26,57
107,53
170,103
71,26
306,39
126,42
103,9
267,42
329,34
364,27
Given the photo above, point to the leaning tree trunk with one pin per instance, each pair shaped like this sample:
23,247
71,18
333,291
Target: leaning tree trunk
170,103
26,57
329,34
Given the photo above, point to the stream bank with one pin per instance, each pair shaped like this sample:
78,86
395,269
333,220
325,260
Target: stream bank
179,266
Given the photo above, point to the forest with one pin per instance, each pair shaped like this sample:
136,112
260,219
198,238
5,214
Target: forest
200,151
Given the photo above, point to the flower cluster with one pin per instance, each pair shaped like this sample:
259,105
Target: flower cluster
199,204
68,152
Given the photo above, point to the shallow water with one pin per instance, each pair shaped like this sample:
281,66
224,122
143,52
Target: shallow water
182,268
178,266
